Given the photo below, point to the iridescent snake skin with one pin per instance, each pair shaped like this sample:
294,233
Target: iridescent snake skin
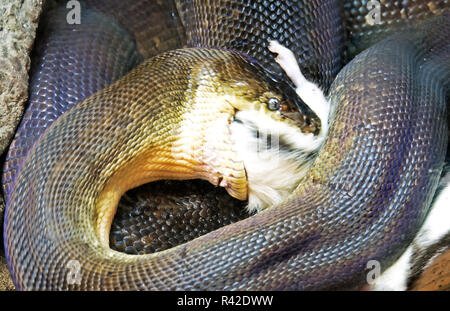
365,197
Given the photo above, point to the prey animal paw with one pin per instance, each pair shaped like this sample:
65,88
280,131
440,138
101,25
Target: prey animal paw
308,91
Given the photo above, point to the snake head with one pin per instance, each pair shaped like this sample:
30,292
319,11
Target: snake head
231,124
273,132
257,89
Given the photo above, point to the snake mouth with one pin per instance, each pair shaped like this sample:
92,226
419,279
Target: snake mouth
205,141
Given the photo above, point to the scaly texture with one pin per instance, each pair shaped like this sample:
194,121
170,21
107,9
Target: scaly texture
312,29
135,102
68,68
18,23
377,172
56,85
154,24
367,22
309,241
165,214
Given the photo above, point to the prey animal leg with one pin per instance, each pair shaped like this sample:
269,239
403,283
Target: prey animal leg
309,92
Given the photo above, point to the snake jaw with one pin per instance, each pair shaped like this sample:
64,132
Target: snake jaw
205,136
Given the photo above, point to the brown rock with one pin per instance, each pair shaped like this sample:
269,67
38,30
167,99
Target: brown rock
5,279
18,23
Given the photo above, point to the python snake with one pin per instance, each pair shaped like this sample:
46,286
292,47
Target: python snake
364,198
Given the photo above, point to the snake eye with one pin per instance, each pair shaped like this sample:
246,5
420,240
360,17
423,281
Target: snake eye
273,104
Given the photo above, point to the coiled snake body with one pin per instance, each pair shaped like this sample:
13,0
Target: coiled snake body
365,197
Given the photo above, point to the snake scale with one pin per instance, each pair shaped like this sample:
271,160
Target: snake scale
364,198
